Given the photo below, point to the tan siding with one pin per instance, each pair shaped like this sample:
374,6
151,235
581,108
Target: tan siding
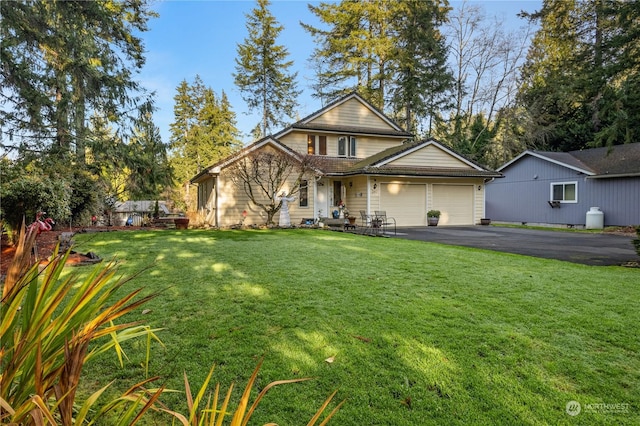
366,146
374,194
233,201
356,199
351,113
431,156
296,141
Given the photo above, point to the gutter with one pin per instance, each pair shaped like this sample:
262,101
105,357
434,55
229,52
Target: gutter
617,175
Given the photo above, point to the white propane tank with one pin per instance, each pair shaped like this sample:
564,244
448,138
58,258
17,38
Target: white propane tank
595,218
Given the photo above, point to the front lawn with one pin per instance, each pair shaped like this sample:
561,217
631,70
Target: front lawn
420,333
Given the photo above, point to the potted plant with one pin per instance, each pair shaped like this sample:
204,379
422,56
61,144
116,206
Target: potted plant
432,217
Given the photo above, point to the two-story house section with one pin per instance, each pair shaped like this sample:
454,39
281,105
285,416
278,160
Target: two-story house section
365,161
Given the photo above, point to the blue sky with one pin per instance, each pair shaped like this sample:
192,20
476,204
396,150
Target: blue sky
200,37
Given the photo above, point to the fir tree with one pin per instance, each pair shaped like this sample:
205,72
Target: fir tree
580,83
420,75
203,131
262,70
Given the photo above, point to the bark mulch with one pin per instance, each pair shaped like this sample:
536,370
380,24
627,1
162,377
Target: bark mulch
46,243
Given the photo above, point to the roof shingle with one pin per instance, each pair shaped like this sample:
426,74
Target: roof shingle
618,160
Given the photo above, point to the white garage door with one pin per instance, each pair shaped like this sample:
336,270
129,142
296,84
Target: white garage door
455,203
404,202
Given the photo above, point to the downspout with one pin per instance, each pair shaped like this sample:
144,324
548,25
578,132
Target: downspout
484,197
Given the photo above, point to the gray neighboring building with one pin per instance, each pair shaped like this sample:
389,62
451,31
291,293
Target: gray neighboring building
559,188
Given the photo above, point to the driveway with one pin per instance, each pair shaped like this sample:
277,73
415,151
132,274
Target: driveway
577,247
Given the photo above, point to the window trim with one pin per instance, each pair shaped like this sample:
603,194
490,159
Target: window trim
349,145
552,185
316,144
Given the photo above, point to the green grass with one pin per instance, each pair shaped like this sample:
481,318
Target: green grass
422,334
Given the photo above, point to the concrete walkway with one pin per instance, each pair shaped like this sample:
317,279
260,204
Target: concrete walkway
578,247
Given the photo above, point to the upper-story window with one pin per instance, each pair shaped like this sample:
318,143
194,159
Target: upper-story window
316,145
347,146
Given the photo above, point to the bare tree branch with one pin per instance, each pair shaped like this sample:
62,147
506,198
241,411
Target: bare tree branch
264,174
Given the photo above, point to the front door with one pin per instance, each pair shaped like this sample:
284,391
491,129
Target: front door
322,198
336,196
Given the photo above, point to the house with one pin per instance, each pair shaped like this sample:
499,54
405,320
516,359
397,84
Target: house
366,162
561,187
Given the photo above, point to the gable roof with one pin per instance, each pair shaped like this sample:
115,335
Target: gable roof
605,162
268,140
380,164
307,123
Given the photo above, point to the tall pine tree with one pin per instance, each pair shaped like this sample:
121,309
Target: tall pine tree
262,70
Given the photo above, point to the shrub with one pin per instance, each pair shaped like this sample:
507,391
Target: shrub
636,242
47,324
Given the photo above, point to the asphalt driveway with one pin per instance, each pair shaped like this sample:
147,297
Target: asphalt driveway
577,247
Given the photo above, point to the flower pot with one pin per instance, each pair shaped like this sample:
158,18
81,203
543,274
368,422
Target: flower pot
485,222
352,220
181,222
432,221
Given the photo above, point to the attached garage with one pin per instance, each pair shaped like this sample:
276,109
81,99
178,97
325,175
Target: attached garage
405,202
455,203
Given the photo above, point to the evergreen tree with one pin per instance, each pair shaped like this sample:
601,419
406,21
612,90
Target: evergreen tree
106,155
64,59
580,84
62,62
420,75
357,47
557,117
262,70
389,51
149,170
203,131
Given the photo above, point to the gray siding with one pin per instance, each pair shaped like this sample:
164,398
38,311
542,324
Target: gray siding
523,195
618,198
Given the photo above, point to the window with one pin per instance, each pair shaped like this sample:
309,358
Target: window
311,144
322,141
565,192
304,194
347,146
320,148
